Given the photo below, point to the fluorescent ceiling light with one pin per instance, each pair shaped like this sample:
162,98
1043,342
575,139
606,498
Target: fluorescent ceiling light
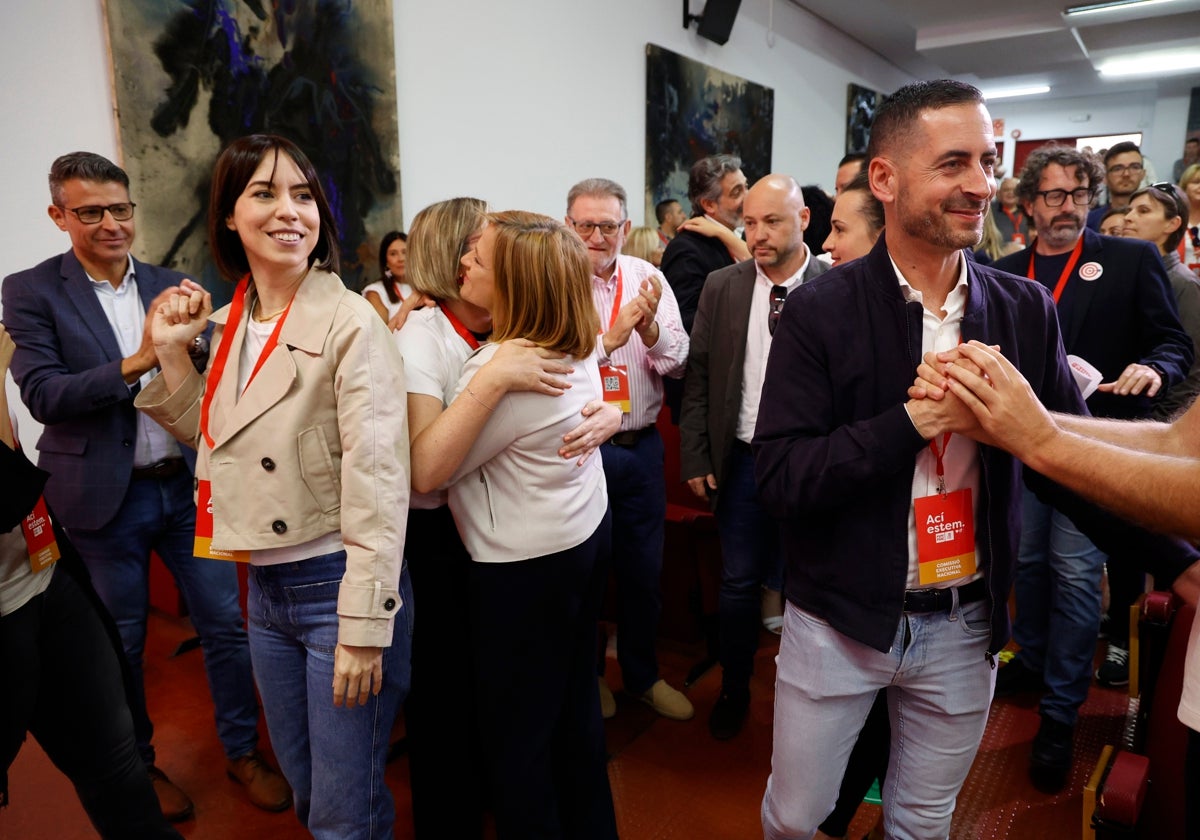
1008,93
1162,63
1110,6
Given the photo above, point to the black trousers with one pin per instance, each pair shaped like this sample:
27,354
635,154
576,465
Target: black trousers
534,629
440,714
64,684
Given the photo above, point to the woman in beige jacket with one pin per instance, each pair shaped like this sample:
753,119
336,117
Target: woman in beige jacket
301,429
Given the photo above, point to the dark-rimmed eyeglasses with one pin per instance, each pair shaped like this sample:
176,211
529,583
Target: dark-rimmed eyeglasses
92,213
1057,198
778,297
1122,168
607,229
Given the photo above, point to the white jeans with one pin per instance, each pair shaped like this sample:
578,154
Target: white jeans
939,689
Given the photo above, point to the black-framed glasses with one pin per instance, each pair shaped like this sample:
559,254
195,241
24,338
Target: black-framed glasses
778,297
608,229
1122,168
1057,198
92,213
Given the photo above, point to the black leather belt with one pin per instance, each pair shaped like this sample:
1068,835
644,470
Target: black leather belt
940,600
629,438
166,468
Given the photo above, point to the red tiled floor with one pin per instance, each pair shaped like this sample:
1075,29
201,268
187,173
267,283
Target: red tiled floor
670,779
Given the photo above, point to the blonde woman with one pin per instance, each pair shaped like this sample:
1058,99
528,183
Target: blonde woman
435,343
645,244
537,528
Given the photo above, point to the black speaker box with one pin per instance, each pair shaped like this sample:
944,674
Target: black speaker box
717,21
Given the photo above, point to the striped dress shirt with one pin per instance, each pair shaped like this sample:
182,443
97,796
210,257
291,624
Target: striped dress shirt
646,365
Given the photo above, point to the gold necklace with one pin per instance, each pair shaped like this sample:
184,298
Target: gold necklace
262,319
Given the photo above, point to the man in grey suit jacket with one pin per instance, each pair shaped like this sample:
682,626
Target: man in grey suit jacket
118,481
731,337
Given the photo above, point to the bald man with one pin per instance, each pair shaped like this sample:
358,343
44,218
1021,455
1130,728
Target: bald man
731,337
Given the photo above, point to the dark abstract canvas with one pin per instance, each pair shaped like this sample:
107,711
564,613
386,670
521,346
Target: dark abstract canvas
192,75
692,111
861,103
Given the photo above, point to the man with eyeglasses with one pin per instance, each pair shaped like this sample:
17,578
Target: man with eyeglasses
740,307
119,482
642,342
1118,315
1124,169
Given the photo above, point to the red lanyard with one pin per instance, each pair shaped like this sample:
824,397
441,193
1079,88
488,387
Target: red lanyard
1016,220
459,327
941,467
1067,269
217,369
616,307
396,289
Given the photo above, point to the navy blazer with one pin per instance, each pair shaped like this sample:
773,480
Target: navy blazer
68,367
712,390
835,448
1126,315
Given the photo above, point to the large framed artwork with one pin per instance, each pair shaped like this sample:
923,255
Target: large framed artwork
692,111
192,75
861,103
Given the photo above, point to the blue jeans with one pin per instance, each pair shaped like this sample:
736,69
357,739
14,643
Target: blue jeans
160,515
637,494
751,555
333,757
1057,585
939,686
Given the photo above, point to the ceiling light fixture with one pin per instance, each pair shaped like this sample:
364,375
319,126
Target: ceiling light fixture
1009,93
1110,6
1161,63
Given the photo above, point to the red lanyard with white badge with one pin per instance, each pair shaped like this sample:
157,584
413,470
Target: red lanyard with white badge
945,525
615,378
204,508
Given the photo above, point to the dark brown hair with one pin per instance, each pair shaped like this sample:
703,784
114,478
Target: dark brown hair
235,167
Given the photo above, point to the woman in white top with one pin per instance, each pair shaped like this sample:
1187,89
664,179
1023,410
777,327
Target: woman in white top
435,342
537,528
391,292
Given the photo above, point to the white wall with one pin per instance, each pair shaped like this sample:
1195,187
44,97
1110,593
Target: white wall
1161,121
56,98
516,107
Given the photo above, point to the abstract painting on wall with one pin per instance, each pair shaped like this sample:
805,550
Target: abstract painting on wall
192,75
861,103
692,111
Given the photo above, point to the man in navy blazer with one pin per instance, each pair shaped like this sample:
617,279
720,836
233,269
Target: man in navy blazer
119,482
739,308
1117,313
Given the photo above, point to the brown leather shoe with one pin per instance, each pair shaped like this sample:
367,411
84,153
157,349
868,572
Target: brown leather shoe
265,786
172,801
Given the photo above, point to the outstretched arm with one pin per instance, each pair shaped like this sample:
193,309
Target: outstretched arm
1145,472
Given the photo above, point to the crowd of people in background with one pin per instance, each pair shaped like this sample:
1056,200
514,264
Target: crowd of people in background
432,481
